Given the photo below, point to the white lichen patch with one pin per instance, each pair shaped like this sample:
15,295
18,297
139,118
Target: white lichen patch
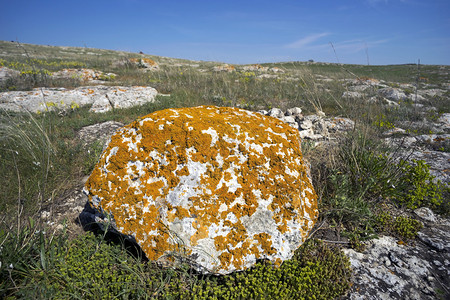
228,185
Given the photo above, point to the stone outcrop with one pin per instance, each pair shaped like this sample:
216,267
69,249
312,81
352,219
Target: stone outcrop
6,73
255,67
392,94
312,127
84,75
217,187
102,98
100,132
224,68
389,269
145,63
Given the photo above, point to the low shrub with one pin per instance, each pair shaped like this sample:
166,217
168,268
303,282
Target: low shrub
363,176
89,268
315,272
422,188
405,228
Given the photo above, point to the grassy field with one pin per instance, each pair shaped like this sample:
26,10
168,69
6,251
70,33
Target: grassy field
42,159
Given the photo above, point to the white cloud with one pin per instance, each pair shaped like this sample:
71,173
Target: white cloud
307,40
353,46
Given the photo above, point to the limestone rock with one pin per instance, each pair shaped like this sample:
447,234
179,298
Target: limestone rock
276,70
417,98
394,131
145,63
306,124
276,113
338,124
294,111
391,270
85,75
224,68
217,187
350,94
444,121
102,98
291,120
425,213
6,73
431,92
392,94
98,132
255,67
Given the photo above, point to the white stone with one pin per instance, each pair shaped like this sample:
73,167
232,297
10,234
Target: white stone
276,113
392,94
306,124
102,98
294,111
426,214
350,94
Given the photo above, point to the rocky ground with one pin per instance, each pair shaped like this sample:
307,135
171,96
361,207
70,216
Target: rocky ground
386,268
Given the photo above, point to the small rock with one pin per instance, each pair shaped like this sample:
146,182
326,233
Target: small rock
353,95
431,92
145,63
276,113
98,132
294,111
290,120
444,120
306,124
392,94
6,73
417,98
390,102
393,131
224,68
426,214
337,124
263,112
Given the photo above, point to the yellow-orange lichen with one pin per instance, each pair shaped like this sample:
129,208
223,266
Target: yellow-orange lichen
144,62
206,175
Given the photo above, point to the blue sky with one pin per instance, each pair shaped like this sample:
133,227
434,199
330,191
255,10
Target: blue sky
360,31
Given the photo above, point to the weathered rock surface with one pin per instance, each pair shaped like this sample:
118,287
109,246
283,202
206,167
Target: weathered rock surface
6,73
352,94
387,269
392,94
312,127
102,98
218,187
146,64
85,75
100,132
255,67
426,147
224,68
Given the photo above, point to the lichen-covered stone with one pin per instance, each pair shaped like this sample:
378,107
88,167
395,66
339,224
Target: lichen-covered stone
218,187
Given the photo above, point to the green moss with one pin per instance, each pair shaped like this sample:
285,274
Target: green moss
407,227
403,227
423,189
92,269
315,272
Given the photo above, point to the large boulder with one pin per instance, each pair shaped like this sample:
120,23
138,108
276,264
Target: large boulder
219,188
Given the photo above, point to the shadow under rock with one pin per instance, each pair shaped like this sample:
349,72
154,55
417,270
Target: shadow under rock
88,220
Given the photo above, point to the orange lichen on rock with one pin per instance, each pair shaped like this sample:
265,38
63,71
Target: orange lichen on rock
146,63
227,184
